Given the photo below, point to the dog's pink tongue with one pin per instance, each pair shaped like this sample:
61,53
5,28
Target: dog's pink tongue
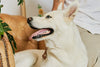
39,32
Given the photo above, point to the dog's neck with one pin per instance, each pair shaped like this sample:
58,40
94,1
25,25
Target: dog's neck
65,42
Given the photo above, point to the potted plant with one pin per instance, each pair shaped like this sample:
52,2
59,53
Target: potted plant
6,49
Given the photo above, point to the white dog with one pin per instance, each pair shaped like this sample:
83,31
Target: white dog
62,38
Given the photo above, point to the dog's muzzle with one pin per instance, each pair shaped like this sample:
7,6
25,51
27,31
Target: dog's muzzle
40,32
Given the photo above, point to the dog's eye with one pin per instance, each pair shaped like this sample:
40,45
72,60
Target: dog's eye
48,16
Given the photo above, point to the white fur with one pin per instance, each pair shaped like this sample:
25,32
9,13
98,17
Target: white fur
65,47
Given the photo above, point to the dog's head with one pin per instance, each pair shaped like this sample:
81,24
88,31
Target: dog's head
52,23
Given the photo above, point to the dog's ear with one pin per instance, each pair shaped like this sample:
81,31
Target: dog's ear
60,6
71,10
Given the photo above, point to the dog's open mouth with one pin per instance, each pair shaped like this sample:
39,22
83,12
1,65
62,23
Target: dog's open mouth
41,33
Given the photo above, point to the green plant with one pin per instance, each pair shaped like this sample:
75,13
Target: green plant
40,11
4,28
20,1
1,7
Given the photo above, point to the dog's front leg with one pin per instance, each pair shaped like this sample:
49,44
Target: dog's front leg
25,59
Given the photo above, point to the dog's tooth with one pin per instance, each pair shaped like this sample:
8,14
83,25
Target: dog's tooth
47,31
44,31
35,34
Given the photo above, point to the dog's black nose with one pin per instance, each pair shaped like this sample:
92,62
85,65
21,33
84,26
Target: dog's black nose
29,19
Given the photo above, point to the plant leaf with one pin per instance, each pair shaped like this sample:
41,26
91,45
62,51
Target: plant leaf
12,41
5,27
14,44
20,1
39,6
1,7
1,21
40,15
1,30
4,24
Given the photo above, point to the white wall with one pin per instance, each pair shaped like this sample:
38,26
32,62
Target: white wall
10,7
32,6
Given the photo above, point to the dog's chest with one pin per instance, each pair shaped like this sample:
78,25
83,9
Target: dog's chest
60,58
